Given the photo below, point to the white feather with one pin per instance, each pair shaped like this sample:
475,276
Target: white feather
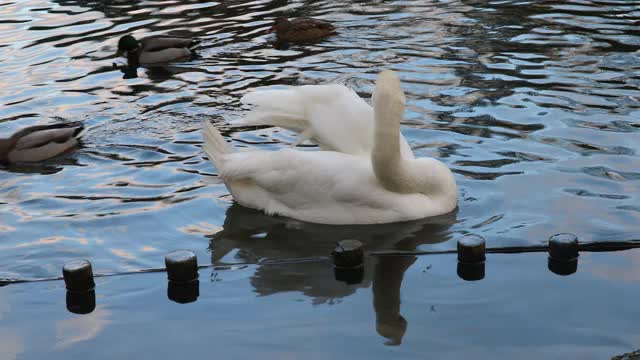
215,146
333,116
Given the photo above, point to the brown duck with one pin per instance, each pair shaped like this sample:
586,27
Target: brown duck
37,143
301,29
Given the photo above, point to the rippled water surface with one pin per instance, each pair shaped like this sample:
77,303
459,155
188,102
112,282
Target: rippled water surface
535,105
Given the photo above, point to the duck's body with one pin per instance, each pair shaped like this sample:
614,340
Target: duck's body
332,116
300,30
41,142
157,49
332,187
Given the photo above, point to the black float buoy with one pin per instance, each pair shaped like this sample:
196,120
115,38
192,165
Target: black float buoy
182,266
563,254
563,247
78,279
348,254
78,276
182,271
348,261
471,249
471,257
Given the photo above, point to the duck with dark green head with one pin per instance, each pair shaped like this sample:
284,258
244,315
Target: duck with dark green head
157,49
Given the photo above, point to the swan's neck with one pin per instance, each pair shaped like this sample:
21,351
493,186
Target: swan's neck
388,164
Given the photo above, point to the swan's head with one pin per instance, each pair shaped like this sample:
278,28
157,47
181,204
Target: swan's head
388,95
431,177
388,78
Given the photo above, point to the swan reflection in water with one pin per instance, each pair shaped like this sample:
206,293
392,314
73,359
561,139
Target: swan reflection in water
249,235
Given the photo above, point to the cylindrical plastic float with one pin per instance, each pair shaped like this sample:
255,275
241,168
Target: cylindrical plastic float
182,271
348,261
471,257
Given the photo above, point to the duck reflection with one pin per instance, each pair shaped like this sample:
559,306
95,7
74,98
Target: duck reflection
47,167
157,73
249,235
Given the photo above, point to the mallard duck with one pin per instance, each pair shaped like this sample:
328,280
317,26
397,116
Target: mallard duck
156,49
40,142
301,29
333,187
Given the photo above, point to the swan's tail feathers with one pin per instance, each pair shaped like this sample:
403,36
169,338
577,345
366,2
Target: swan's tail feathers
215,146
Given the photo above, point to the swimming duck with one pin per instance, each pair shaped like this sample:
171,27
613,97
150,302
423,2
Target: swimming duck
301,29
331,187
156,49
41,142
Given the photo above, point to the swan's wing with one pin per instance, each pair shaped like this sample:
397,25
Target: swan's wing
285,172
333,116
316,186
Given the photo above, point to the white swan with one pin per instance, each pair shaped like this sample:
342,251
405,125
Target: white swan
333,116
332,187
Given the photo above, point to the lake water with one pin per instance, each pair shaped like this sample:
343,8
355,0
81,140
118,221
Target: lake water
535,105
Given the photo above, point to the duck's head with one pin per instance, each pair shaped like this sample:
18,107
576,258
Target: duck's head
127,43
279,22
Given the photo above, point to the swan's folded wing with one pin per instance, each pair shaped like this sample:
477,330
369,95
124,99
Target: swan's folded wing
290,179
318,186
333,116
278,172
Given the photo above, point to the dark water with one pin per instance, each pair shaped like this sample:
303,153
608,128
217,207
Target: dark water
534,104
